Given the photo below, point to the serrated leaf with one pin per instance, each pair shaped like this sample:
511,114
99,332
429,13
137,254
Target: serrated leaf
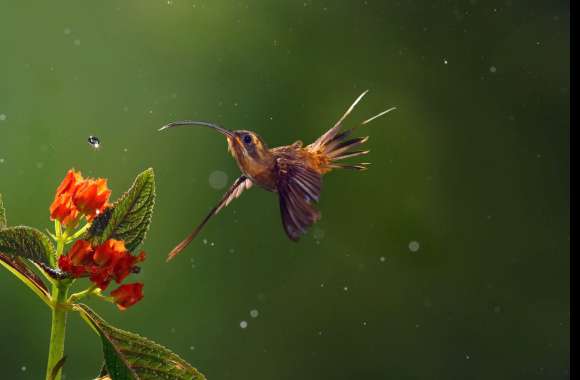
3,221
26,242
129,218
129,356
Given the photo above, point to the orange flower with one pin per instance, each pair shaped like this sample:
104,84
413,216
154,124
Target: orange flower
91,197
63,208
76,196
127,295
70,182
76,260
109,261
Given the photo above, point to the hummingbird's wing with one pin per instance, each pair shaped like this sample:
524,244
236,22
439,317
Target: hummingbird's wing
237,188
298,188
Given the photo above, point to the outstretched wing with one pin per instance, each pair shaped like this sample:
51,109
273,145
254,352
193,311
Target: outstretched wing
298,189
238,187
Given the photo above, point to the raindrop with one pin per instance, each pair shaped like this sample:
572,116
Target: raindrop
243,324
345,288
2,116
467,356
23,368
192,348
492,69
77,42
67,31
445,61
383,259
414,246
2,160
254,313
94,142
218,180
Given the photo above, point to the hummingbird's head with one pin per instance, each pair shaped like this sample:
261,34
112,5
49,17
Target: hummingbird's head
246,147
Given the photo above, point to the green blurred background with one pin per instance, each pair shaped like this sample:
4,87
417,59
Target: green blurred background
473,168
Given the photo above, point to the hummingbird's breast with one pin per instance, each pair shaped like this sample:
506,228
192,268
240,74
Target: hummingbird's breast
261,173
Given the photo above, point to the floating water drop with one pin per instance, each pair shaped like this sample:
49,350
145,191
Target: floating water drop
218,180
23,368
414,246
2,116
254,313
192,348
383,259
492,69
243,324
94,142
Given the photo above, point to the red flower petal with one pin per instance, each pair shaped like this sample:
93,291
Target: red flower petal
127,295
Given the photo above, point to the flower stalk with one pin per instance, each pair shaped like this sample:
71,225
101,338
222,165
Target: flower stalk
59,312
58,326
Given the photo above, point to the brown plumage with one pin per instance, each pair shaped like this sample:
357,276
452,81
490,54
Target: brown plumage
293,171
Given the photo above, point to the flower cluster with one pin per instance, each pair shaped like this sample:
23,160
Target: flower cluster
103,264
77,196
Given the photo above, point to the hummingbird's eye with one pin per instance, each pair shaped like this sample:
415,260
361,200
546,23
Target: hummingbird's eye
248,139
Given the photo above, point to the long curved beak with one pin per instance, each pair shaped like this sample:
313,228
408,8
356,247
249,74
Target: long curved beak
185,123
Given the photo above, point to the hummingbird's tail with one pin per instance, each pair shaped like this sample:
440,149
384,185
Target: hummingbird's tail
334,145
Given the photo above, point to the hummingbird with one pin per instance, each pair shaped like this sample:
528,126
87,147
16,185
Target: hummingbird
293,171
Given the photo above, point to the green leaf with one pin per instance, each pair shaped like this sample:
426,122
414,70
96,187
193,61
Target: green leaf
18,267
26,242
130,356
129,218
3,221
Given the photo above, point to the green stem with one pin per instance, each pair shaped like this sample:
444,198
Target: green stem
59,311
58,327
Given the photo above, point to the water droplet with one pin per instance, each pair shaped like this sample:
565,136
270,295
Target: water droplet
67,31
497,309
2,116
467,356
39,165
218,180
204,241
243,324
231,250
383,259
492,69
2,160
445,61
345,288
77,42
414,246
23,368
254,313
192,348
94,142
